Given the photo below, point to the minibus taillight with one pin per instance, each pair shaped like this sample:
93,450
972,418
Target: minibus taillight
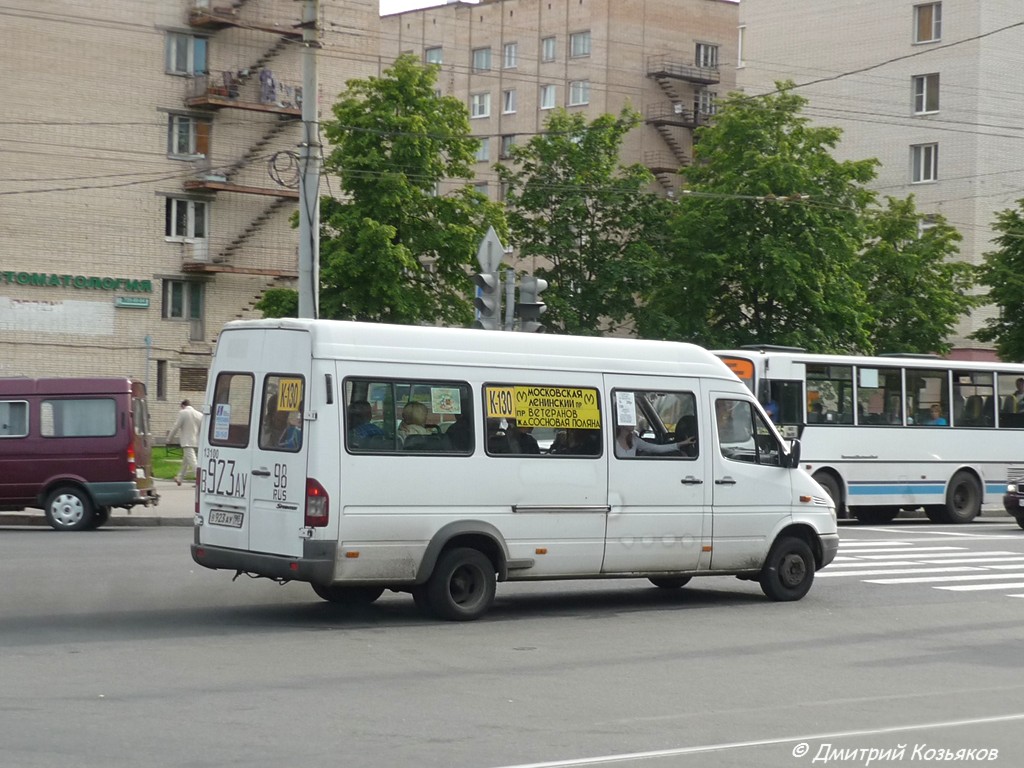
131,461
317,504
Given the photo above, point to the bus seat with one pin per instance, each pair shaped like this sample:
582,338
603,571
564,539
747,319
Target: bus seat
973,410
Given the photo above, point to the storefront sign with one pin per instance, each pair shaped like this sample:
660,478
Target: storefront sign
81,282
135,302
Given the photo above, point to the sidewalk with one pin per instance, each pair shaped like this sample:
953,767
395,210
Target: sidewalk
176,507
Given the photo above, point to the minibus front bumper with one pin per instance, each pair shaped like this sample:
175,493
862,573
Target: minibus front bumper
316,564
829,548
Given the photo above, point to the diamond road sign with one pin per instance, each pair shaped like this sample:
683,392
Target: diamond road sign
490,252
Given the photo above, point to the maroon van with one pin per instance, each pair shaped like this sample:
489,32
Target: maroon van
74,448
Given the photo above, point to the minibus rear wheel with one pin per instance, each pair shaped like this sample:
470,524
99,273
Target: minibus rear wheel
100,517
68,508
348,595
461,588
788,571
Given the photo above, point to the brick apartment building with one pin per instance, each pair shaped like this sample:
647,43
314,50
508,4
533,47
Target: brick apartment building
929,88
149,147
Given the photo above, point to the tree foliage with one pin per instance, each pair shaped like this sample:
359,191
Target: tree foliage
391,248
916,290
766,236
279,302
584,220
1003,272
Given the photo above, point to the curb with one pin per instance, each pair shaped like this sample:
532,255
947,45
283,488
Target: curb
124,521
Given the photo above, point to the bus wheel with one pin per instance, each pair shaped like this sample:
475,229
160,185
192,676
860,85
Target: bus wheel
669,582
876,515
348,595
936,513
68,509
828,481
789,570
963,498
461,588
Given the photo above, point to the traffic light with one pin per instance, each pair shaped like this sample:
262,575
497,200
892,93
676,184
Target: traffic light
529,308
488,301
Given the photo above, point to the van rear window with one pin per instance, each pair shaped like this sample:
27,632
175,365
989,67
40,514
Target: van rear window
86,417
232,406
13,418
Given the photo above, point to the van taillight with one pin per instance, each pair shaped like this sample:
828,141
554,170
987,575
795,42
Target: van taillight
317,504
131,461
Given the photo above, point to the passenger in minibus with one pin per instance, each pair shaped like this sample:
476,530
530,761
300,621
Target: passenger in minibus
414,420
628,444
360,424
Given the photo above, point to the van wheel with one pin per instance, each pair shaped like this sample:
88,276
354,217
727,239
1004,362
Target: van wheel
348,595
461,588
68,509
963,498
1020,522
99,517
789,570
669,582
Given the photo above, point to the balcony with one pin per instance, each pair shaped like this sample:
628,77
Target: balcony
205,15
668,67
241,90
674,113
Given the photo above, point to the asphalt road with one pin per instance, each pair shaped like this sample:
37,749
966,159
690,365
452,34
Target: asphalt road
117,651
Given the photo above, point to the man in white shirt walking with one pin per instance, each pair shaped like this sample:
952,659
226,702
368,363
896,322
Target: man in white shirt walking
187,427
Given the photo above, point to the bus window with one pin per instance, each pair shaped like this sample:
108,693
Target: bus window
879,394
830,393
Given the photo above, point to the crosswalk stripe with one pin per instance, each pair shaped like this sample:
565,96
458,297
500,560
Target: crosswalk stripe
828,572
977,587
887,552
933,579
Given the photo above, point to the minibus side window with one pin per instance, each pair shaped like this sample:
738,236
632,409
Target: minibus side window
743,435
89,417
13,418
405,416
281,414
655,425
542,420
232,404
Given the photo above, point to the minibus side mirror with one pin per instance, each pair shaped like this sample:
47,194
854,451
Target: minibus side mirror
794,454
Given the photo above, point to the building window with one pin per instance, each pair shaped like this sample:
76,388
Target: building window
183,300
704,102
432,55
507,142
481,187
185,219
511,59
547,49
579,44
579,92
740,63
161,379
188,137
927,22
186,54
926,93
480,105
481,59
508,101
547,97
924,159
483,152
707,56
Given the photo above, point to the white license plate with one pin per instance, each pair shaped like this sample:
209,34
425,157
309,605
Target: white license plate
229,519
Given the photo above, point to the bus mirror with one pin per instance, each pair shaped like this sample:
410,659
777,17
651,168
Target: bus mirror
794,454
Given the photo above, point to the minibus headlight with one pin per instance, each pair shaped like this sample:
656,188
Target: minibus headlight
1011,488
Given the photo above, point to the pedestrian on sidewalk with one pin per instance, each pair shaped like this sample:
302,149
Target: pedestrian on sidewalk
186,426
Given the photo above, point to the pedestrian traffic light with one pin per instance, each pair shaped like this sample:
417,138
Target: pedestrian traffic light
530,307
488,301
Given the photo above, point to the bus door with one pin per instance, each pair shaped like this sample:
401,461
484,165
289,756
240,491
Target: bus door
254,466
658,494
752,492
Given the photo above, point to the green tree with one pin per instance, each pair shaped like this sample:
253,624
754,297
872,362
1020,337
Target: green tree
586,221
279,302
391,248
916,290
1002,271
766,235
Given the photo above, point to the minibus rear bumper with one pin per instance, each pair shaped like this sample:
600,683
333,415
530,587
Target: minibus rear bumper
829,548
316,564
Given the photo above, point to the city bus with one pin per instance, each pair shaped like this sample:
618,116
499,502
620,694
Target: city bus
895,433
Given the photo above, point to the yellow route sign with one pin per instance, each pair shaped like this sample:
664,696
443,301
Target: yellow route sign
542,406
289,394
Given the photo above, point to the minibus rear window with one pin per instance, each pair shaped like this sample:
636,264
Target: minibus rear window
13,418
232,406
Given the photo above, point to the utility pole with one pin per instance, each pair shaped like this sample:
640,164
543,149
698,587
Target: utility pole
309,169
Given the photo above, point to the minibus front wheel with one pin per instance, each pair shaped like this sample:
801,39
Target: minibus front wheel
461,588
68,508
788,571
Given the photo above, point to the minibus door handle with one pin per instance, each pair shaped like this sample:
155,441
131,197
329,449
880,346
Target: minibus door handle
261,472
725,481
691,480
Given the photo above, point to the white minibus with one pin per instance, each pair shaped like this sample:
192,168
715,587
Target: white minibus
434,461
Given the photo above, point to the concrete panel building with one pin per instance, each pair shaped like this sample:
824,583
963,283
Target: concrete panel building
928,88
